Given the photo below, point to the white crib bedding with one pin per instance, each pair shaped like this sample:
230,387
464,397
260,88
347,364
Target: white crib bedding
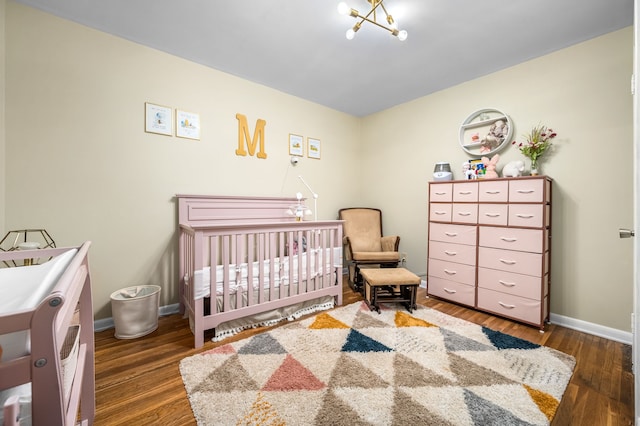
281,272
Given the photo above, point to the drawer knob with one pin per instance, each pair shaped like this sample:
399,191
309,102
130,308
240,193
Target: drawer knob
492,192
509,240
464,192
449,291
525,191
506,284
446,271
451,234
508,262
450,253
504,305
440,193
440,212
525,216
464,214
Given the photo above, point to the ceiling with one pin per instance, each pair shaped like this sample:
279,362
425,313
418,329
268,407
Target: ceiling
299,46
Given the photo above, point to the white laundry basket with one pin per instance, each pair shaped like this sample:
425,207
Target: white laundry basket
135,310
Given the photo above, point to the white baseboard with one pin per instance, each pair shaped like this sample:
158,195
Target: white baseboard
107,323
591,328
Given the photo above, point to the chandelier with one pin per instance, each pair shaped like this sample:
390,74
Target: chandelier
344,9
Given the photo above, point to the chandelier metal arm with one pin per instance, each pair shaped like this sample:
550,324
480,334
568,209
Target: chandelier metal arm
374,5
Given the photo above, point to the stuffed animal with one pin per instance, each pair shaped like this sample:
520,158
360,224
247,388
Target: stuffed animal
490,165
497,132
513,169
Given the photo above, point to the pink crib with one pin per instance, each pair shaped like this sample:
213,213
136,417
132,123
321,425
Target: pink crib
244,262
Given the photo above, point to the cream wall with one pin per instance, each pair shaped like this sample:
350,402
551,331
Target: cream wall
583,92
2,103
82,166
74,114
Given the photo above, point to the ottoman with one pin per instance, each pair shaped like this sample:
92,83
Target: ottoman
390,285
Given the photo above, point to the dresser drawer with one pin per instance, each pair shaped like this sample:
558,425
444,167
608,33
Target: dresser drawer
465,192
493,214
493,191
518,262
458,272
531,240
507,305
528,190
458,253
441,192
450,290
465,213
440,212
517,284
459,234
529,215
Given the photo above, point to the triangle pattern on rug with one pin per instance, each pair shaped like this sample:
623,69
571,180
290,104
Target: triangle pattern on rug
335,412
358,342
324,320
230,376
292,376
363,320
411,374
408,412
405,320
504,341
471,374
342,375
262,344
545,402
484,412
455,342
262,413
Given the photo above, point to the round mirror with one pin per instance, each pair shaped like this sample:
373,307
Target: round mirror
485,132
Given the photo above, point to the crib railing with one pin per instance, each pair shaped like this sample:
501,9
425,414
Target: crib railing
269,262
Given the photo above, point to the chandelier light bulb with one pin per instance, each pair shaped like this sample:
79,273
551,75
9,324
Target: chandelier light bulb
343,8
350,34
402,35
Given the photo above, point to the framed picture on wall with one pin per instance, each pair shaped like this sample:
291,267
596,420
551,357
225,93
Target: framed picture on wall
158,119
296,145
187,125
313,148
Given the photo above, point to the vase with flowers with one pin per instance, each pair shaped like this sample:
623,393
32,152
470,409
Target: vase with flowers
535,144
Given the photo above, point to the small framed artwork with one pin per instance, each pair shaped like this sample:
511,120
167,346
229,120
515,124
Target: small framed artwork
313,148
296,145
187,125
158,119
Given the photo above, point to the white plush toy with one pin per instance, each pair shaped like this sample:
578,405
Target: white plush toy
513,169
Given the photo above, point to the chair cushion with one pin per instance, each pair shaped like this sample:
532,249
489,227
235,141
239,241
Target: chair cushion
370,256
363,227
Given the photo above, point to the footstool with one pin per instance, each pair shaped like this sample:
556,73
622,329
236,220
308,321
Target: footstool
390,285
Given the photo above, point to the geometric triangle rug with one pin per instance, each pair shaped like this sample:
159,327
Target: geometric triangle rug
351,366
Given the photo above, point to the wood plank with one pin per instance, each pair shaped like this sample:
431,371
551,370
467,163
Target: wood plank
138,381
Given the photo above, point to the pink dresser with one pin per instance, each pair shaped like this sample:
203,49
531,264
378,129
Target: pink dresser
489,245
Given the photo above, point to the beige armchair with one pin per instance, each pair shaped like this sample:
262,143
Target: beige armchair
364,243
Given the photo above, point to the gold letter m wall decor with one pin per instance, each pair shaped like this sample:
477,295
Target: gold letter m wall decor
243,136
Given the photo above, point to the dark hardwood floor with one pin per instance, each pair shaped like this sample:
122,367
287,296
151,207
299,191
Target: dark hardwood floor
138,381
